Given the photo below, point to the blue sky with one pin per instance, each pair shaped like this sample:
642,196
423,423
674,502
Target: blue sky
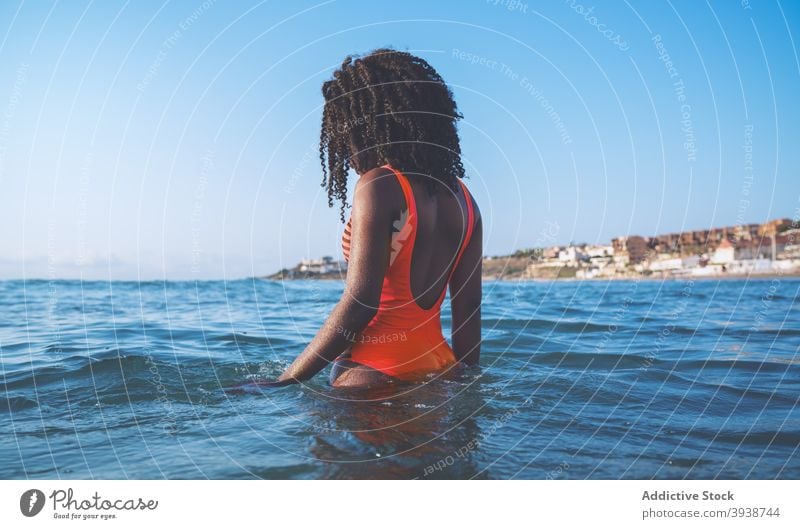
146,140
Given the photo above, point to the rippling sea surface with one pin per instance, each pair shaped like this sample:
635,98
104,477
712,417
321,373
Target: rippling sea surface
638,379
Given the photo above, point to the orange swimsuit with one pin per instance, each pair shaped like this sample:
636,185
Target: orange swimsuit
404,340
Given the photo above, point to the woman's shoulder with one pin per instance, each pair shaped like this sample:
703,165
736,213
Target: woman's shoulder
475,209
374,175
378,185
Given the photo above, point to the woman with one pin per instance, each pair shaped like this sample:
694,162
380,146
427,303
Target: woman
414,229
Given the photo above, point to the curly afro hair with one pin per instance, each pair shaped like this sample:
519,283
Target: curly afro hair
388,107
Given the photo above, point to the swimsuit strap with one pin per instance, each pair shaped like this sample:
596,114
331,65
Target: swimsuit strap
410,204
464,244
407,192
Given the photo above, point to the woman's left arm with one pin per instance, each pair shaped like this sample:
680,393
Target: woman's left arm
372,216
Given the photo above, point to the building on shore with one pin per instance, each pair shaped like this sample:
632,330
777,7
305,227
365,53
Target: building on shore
738,250
750,249
724,253
772,247
634,246
326,265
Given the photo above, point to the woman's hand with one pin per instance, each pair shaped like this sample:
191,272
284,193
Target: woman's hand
257,385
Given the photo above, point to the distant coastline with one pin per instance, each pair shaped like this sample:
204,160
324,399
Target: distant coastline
768,250
515,278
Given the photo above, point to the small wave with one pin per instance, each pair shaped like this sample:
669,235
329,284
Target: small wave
14,404
99,368
747,366
665,327
237,338
763,438
75,367
558,326
604,361
704,391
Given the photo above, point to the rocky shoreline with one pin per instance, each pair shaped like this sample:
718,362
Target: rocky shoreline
515,268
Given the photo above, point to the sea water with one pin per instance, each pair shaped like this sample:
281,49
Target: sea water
625,379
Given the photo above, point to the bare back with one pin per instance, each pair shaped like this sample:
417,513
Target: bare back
443,218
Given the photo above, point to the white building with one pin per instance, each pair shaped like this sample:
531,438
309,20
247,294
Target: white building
692,261
724,254
571,255
673,263
326,265
599,251
621,261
